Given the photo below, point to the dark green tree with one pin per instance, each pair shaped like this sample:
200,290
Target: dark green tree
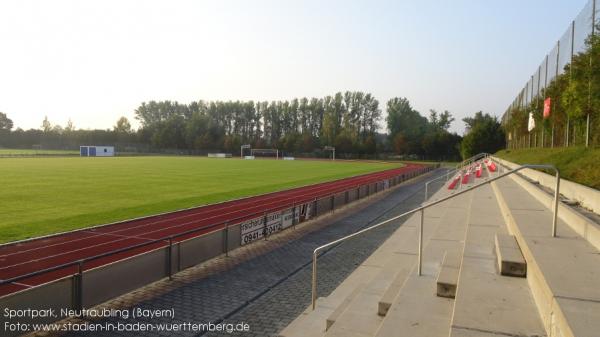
484,134
6,123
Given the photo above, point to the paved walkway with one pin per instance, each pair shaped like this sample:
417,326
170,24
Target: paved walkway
267,284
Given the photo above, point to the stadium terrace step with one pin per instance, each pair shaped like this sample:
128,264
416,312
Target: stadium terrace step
391,292
313,322
447,279
584,226
394,288
342,307
487,304
360,317
356,300
563,272
417,311
510,258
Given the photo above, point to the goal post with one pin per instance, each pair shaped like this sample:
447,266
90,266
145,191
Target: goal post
332,149
265,153
246,146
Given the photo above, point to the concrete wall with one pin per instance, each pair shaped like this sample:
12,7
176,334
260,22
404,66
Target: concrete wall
339,200
99,284
323,205
55,295
362,191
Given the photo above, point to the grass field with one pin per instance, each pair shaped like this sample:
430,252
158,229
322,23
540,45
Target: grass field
48,195
578,164
31,152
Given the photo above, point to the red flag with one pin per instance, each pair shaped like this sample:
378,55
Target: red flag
547,103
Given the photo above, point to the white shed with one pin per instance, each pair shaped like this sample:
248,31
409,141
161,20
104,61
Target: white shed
96,151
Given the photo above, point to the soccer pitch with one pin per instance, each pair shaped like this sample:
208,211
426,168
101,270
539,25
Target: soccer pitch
48,195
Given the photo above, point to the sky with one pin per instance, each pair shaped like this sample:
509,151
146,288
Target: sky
94,61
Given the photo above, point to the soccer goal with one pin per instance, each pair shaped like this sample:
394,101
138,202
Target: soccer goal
267,153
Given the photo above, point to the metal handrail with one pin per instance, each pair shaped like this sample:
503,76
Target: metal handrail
472,159
476,157
169,238
422,208
435,179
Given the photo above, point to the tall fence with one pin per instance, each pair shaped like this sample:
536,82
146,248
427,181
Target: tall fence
563,93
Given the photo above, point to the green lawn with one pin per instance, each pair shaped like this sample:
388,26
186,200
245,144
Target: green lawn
31,152
48,195
577,164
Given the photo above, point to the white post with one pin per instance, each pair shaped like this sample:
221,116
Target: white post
314,280
421,242
555,212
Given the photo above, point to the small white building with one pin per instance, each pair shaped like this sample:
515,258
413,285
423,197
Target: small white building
96,151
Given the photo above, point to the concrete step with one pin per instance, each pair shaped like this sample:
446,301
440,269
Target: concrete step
417,311
342,307
360,317
392,291
486,303
447,279
510,259
402,274
543,191
563,272
315,322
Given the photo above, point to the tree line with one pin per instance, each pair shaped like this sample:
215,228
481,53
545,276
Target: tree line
350,121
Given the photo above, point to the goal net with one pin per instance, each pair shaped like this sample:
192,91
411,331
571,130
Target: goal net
266,153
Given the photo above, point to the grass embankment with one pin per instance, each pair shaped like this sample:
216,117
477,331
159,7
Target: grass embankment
48,195
578,164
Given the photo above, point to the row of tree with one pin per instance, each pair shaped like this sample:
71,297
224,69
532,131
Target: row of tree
348,121
575,100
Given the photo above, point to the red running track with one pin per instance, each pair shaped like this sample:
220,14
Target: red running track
26,257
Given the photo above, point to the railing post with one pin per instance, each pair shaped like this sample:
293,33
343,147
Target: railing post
332,203
78,300
426,190
265,226
421,241
556,195
294,214
170,258
226,243
314,280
